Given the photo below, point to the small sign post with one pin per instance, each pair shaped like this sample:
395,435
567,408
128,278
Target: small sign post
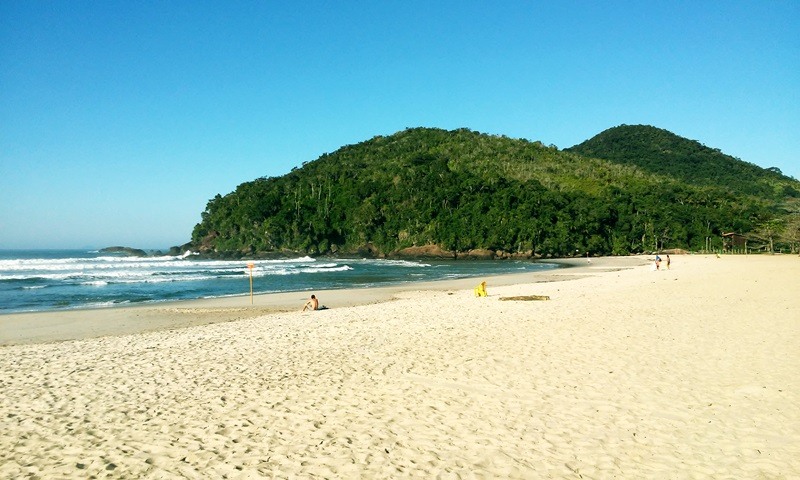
250,266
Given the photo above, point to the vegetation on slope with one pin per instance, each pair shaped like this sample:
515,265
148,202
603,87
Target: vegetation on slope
662,152
462,190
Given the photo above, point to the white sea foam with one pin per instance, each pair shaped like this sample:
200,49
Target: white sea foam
342,268
110,262
112,303
406,263
101,271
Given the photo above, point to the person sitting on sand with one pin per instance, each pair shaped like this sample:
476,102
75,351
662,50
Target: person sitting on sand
312,304
480,290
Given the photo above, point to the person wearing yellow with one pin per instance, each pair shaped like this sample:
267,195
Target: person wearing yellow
480,290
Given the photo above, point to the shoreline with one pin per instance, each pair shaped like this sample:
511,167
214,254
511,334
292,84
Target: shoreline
63,325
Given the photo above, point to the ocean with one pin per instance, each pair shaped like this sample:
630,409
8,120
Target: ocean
44,280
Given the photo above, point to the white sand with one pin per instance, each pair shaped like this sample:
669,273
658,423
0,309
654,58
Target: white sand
629,373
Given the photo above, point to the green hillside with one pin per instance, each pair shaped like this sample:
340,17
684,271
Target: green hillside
662,152
462,190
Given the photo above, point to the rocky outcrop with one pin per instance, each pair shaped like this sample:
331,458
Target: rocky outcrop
477,254
369,250
526,255
424,251
131,252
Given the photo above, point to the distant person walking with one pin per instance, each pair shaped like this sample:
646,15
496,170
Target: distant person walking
668,262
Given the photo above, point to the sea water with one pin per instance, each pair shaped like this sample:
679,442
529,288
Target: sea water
41,280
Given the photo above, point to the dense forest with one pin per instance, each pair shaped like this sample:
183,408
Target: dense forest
661,152
630,189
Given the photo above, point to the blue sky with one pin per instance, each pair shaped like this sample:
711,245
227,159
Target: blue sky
120,120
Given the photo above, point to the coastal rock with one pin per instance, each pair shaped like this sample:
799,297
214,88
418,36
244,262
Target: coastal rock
425,251
478,254
369,250
207,243
132,252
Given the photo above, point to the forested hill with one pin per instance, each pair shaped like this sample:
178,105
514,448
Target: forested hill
460,191
662,152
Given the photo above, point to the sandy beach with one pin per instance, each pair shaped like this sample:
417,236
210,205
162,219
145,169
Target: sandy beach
625,372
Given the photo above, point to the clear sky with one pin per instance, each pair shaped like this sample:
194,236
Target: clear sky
120,120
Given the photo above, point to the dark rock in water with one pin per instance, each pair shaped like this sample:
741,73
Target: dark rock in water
132,252
425,251
179,249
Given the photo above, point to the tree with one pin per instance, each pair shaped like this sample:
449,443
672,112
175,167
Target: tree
768,230
791,231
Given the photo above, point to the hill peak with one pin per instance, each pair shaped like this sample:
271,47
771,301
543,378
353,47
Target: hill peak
661,152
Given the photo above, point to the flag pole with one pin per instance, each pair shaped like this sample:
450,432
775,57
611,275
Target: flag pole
250,266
